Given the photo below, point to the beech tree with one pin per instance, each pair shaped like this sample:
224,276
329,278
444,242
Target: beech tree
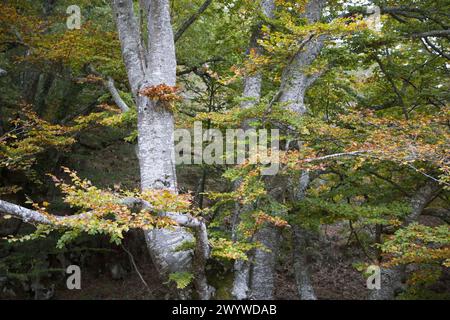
362,108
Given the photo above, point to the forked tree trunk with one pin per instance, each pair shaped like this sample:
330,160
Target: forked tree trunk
294,84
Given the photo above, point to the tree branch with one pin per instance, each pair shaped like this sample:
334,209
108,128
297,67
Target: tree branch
128,31
434,33
427,43
115,95
27,215
191,20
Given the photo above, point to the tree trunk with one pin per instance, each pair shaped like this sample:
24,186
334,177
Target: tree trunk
294,84
252,92
301,239
391,279
300,242
147,67
262,282
293,87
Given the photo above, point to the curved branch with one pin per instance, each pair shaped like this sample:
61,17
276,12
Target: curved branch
201,252
33,216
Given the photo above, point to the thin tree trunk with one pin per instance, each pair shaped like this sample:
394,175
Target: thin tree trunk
300,242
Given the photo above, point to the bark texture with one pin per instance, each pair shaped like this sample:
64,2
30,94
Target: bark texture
252,95
262,281
146,67
392,279
300,242
115,95
294,84
295,80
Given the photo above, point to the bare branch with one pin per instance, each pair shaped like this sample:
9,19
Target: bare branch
337,155
191,20
434,33
427,43
33,216
27,215
115,95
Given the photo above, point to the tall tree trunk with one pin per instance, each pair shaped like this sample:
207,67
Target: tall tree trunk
293,87
391,279
301,240
294,84
252,92
147,67
262,281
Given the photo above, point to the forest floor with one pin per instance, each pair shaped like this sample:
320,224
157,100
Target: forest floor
333,276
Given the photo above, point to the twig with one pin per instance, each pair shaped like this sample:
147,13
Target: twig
136,268
191,20
428,176
353,231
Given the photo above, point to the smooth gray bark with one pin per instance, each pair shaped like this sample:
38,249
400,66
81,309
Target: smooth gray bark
241,280
252,95
147,67
296,80
391,279
262,280
130,41
301,240
252,90
115,95
27,215
294,84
